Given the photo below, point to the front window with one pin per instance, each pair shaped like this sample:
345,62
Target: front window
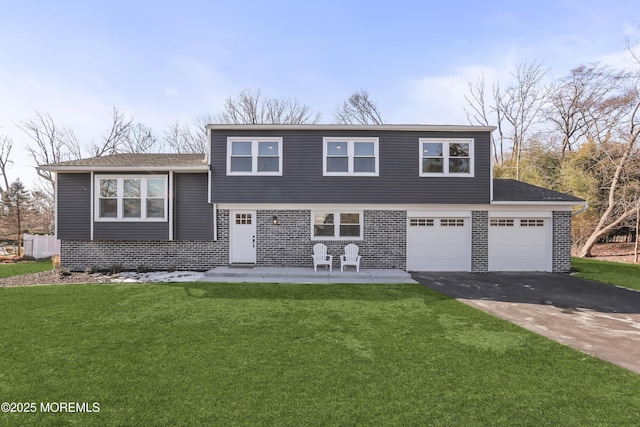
254,156
336,226
350,156
440,157
131,198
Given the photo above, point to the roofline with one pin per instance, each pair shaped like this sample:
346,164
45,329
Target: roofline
85,168
420,128
539,202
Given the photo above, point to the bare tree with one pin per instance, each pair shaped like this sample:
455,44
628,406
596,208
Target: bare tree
586,101
115,137
358,109
42,213
615,210
49,143
521,105
138,139
479,114
635,247
183,139
6,145
250,108
516,109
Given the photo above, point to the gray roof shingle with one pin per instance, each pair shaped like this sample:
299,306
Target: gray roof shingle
136,161
510,190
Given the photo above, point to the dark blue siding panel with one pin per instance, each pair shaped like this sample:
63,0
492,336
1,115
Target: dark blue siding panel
74,206
398,180
193,213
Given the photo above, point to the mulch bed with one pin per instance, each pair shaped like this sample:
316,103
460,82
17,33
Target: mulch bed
53,277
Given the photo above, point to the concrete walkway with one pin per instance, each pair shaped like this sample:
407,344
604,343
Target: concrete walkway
305,275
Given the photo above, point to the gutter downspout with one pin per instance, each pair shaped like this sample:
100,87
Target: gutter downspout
584,207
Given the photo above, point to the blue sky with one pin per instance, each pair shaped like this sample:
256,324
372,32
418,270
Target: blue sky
165,61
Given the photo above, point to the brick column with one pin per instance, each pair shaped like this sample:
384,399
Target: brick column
561,242
479,241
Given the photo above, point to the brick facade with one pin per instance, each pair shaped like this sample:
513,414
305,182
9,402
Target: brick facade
289,244
286,244
561,261
79,255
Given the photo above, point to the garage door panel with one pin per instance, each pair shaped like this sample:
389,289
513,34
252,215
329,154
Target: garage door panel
519,244
438,244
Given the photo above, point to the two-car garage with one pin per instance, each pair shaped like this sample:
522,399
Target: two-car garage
442,241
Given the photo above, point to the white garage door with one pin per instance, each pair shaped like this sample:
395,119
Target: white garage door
519,244
438,244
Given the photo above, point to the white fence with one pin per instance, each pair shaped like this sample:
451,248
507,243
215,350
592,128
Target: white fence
40,246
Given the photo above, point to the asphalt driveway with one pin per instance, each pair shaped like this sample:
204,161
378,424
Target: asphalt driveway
598,319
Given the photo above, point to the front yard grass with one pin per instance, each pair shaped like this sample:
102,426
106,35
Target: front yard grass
613,273
282,354
25,267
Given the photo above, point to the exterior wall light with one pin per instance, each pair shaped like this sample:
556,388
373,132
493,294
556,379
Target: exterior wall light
275,220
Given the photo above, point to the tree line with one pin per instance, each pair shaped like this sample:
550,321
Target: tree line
577,134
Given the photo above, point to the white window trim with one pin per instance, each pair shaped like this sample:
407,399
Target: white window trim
254,155
120,188
350,155
336,216
445,157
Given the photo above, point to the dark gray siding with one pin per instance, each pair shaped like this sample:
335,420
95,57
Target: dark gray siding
193,213
74,206
398,180
131,230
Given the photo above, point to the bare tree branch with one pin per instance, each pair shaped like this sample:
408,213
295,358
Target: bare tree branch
249,108
479,114
49,144
117,135
182,139
358,109
609,218
139,139
6,145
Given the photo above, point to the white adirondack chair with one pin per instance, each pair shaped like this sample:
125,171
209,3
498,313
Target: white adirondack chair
320,256
350,257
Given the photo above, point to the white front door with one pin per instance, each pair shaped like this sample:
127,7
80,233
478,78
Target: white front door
243,237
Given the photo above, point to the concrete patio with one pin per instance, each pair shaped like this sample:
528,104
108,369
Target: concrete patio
305,275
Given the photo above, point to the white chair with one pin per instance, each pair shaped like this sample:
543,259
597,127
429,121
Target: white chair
350,257
320,256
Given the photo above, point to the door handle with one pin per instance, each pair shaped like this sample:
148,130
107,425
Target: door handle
254,241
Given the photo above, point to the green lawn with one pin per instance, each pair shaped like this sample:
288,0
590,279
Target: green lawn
613,273
25,267
293,355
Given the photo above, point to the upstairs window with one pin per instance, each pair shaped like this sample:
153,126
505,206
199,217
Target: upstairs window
350,156
254,156
131,198
451,157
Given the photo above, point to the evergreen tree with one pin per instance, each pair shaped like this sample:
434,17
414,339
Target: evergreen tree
15,204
